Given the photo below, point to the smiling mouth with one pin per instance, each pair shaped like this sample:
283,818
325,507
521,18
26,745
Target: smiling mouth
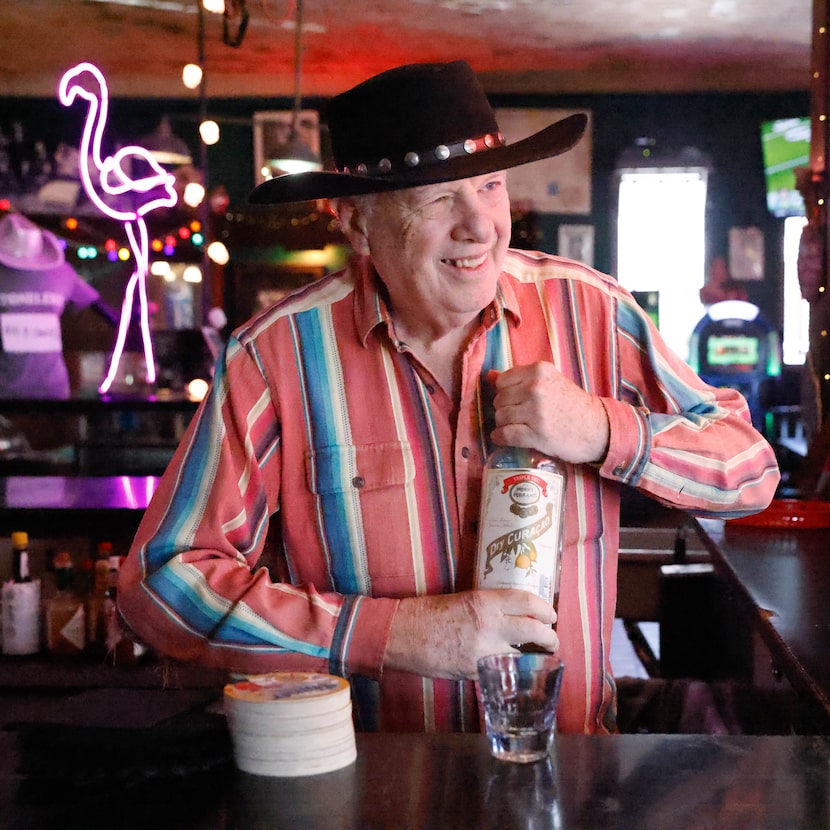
467,262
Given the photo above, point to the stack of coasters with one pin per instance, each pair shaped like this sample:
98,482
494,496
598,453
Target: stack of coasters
290,723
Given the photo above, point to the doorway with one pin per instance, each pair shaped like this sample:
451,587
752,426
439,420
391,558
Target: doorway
661,244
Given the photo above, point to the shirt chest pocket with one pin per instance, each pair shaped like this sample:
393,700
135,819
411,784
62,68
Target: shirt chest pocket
363,498
348,469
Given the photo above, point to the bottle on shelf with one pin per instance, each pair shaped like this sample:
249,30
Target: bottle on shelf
520,523
21,602
96,635
121,648
64,616
101,568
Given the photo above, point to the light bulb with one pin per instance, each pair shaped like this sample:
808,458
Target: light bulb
194,194
192,273
218,253
209,131
161,268
197,389
192,75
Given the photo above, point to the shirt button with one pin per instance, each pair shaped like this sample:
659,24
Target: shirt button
619,471
430,388
465,452
358,481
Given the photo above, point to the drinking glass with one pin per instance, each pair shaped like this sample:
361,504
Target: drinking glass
520,693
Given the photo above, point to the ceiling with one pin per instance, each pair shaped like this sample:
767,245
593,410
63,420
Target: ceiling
532,46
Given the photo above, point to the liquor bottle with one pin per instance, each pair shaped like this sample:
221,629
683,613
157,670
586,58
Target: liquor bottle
96,634
63,613
102,568
21,602
121,647
520,525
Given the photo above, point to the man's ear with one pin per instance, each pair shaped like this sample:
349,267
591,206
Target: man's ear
352,223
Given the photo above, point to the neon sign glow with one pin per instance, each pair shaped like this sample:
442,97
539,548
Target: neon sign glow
107,185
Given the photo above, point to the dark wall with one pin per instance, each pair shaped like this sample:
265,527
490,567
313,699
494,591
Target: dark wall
724,127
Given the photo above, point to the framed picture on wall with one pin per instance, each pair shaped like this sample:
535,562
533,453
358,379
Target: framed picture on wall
577,242
561,184
272,131
746,254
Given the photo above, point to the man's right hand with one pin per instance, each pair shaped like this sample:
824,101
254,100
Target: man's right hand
445,635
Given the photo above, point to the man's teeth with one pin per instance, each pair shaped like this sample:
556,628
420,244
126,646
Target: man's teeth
468,262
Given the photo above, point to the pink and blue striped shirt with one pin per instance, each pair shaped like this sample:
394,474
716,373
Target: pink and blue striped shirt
326,449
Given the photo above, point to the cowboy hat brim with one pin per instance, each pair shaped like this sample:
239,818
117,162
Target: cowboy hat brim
25,246
302,187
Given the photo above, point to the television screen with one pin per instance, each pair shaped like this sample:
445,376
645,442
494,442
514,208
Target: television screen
785,144
737,352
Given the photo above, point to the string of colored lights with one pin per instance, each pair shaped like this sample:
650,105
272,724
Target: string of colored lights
167,244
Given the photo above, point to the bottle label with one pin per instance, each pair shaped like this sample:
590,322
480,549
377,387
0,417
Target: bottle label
520,532
21,617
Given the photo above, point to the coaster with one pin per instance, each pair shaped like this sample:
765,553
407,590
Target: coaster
290,723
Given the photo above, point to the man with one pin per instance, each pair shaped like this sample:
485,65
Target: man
349,421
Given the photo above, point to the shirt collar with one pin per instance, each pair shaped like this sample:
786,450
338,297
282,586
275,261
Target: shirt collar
372,310
370,307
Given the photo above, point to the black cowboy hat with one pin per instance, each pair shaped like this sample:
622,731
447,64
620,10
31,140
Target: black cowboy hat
415,125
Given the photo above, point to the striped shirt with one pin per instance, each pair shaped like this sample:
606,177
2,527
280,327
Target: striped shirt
326,450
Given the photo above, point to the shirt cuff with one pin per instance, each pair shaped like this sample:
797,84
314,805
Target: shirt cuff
629,442
359,641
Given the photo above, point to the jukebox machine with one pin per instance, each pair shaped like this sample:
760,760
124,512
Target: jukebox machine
733,345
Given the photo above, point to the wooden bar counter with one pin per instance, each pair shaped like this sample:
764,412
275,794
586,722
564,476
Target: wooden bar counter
782,579
178,773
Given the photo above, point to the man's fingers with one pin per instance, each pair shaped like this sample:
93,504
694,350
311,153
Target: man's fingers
520,603
528,630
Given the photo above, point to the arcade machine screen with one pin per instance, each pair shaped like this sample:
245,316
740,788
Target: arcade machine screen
733,353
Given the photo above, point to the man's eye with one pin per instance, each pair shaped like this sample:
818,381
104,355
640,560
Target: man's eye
439,203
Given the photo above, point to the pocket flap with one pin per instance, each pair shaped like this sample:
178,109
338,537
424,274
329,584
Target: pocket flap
346,467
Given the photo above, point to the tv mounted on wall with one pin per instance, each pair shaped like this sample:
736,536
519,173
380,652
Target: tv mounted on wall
785,143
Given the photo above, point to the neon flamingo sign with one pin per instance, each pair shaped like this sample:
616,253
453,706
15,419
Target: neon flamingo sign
107,186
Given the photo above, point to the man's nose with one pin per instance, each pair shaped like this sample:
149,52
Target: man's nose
473,218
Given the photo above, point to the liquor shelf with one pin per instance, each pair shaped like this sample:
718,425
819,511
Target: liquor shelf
57,506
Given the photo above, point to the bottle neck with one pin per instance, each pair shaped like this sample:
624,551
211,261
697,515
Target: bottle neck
63,579
112,582
20,570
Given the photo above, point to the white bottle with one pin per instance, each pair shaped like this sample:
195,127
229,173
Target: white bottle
520,526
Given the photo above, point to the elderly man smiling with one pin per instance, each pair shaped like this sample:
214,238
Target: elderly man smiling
347,426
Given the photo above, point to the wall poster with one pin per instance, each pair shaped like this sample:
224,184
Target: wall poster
577,242
561,184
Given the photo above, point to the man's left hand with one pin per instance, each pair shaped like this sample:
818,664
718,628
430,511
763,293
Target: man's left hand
538,407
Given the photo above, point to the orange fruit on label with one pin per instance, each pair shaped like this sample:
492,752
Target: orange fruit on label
523,561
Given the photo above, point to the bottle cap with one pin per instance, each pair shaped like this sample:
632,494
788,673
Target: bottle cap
63,560
20,539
